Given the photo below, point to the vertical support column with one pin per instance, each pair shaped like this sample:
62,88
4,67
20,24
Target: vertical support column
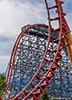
68,41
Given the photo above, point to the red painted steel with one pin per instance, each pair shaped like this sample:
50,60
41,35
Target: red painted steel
62,29
0,98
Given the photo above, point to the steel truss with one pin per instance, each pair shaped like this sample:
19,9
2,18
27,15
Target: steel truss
40,58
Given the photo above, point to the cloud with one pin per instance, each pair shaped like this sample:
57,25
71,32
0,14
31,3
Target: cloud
67,7
13,15
3,63
6,44
16,13
69,20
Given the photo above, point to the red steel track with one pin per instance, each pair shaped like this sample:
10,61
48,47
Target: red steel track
63,29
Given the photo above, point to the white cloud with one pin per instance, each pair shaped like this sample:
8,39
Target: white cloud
13,15
3,63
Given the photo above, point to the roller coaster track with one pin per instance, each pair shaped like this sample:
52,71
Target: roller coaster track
49,71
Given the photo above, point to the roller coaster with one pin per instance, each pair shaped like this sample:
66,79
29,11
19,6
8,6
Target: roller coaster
41,58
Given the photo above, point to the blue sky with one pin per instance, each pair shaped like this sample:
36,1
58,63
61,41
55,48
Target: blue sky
16,13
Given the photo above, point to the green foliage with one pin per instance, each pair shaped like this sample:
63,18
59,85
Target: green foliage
44,95
2,83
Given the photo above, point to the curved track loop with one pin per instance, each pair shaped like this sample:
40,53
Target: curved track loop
49,71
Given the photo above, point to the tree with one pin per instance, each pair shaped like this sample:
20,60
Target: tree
44,95
2,84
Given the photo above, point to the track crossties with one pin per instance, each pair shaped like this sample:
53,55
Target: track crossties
38,54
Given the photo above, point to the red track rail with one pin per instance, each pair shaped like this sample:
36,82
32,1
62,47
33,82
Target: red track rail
45,80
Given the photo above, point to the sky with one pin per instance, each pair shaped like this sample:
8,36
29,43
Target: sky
14,14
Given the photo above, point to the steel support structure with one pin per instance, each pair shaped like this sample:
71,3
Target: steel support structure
40,52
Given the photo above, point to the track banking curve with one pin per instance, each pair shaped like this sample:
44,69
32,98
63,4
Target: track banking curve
62,30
